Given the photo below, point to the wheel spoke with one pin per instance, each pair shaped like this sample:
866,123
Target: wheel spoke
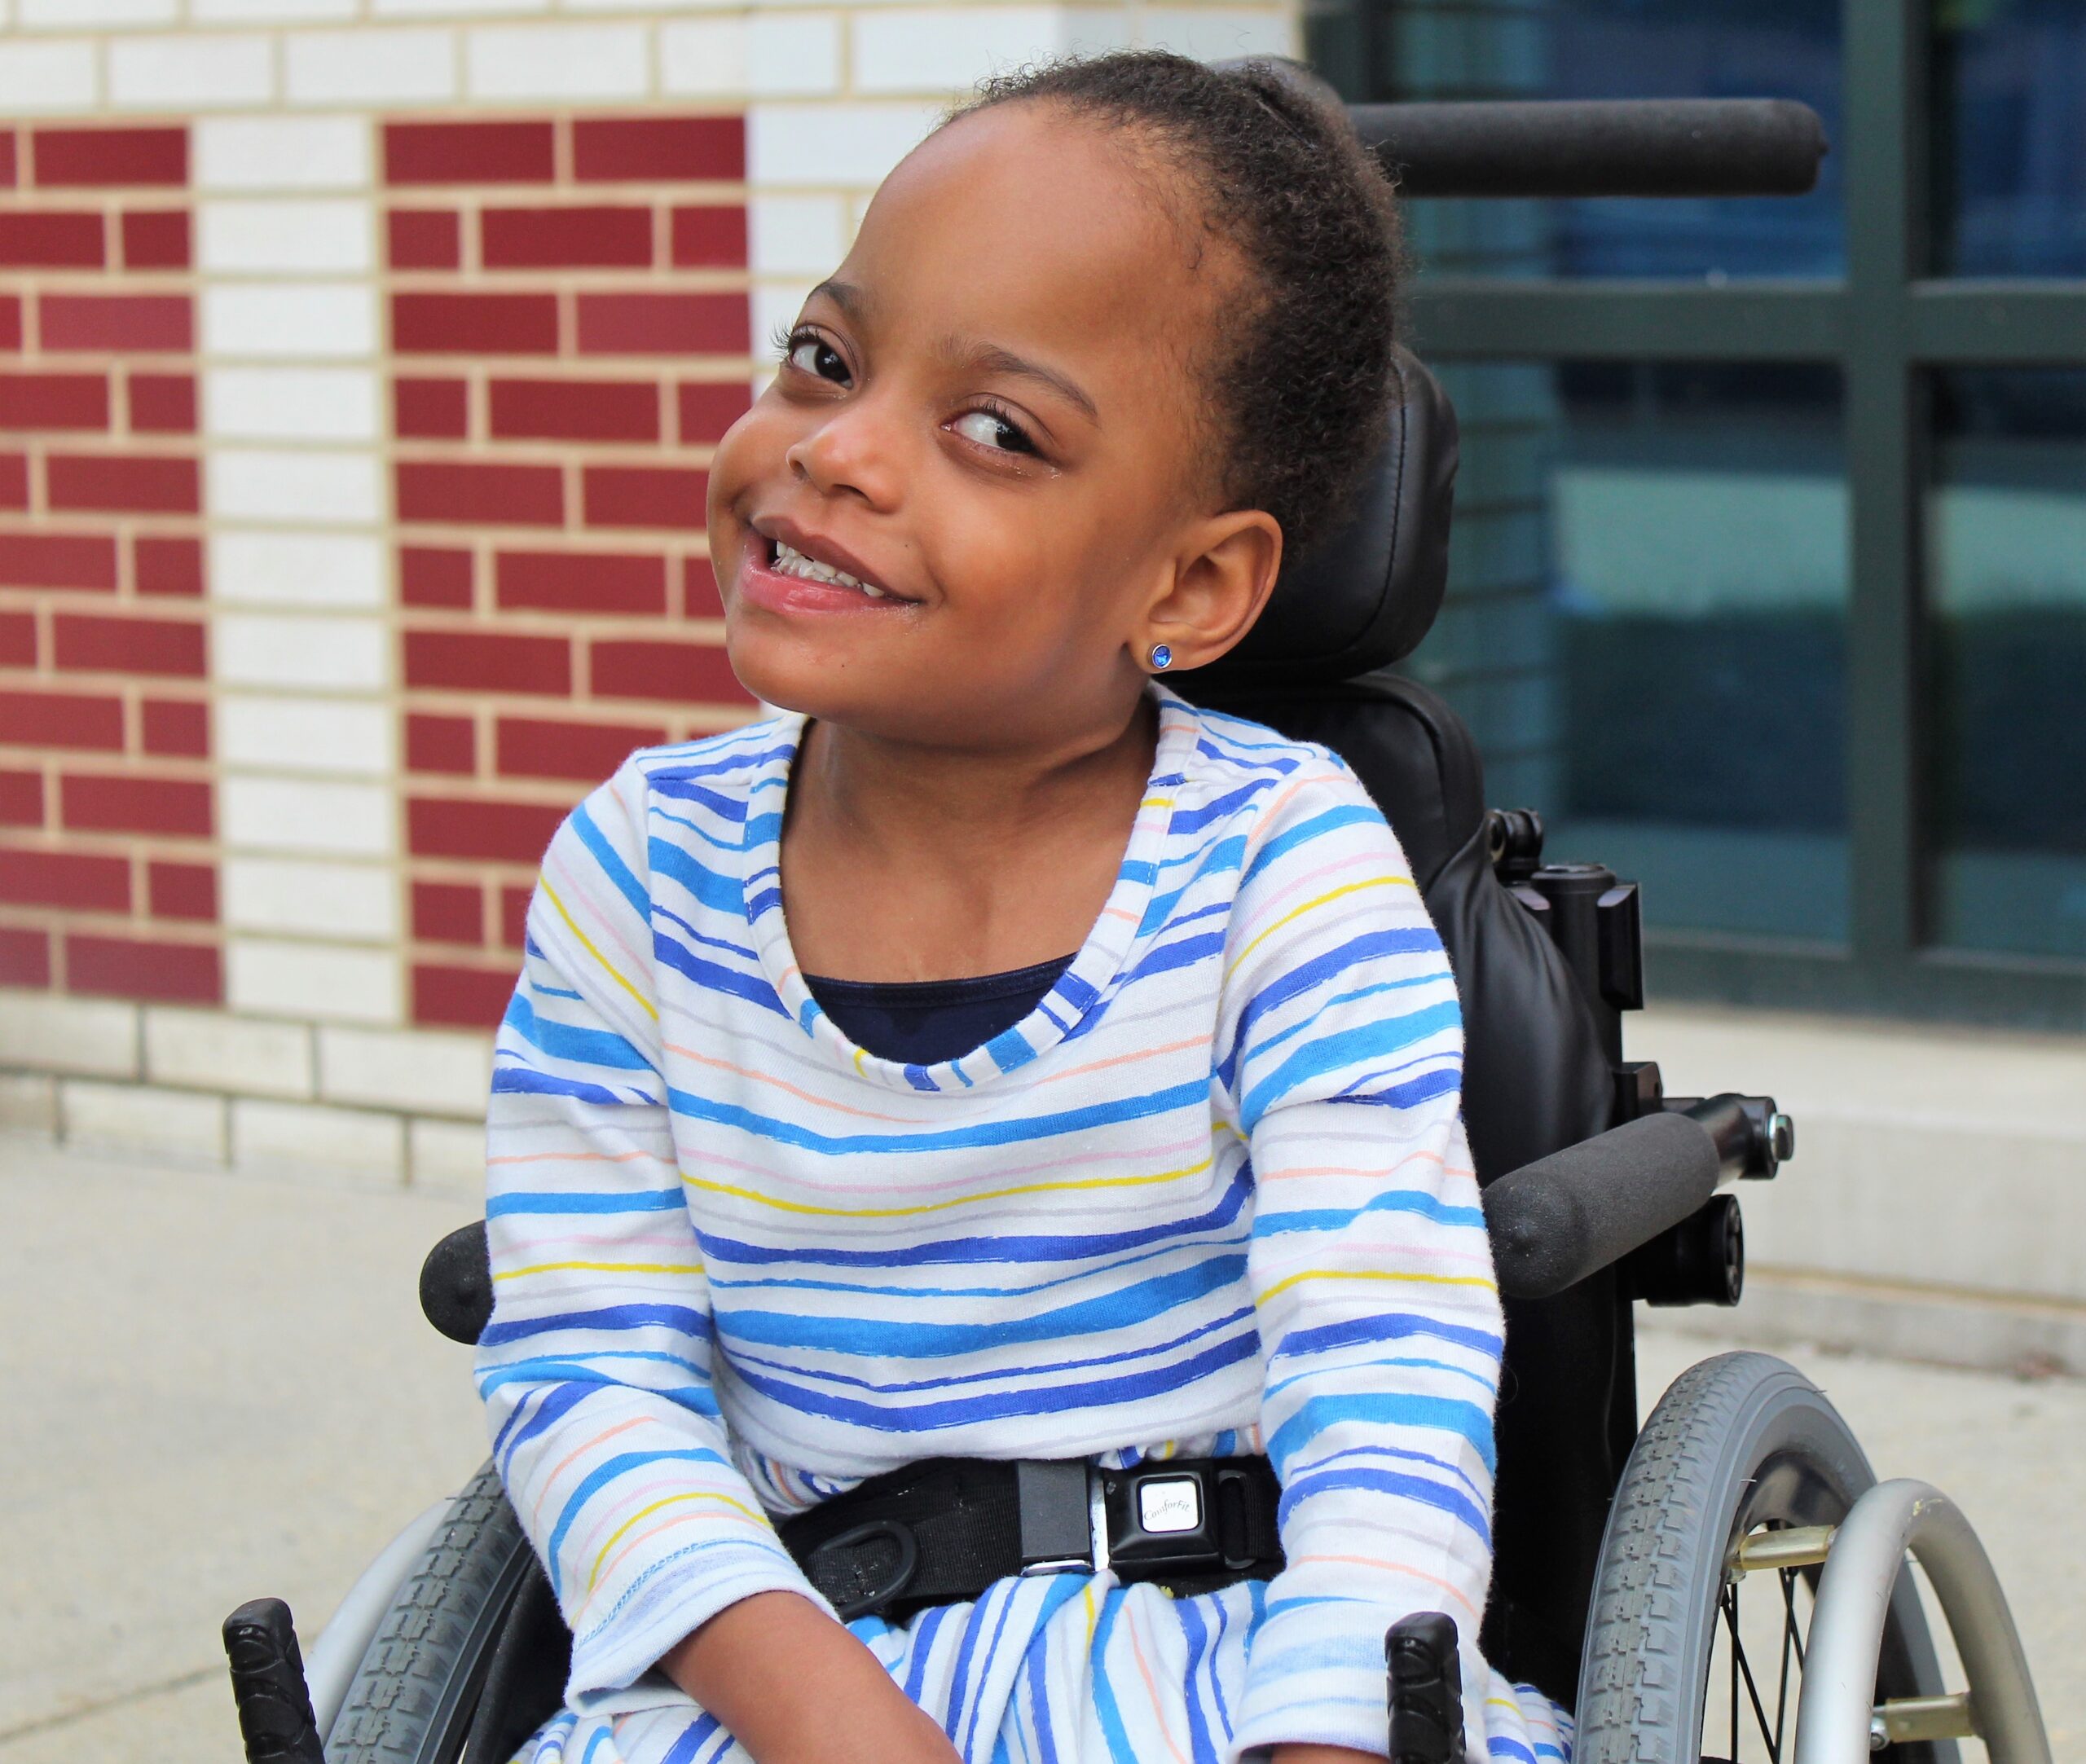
1788,1635
1740,1666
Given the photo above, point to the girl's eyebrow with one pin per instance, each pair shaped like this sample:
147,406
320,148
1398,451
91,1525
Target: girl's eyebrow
991,358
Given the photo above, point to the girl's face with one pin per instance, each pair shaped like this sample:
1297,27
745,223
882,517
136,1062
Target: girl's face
978,492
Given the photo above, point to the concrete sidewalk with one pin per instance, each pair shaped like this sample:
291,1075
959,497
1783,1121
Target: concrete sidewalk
219,1388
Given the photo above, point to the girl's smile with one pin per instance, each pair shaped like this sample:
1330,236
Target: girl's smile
789,571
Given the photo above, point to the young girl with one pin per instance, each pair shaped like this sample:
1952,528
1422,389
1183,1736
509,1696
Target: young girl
994,1057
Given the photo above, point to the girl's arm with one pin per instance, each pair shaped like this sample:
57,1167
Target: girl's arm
1378,1312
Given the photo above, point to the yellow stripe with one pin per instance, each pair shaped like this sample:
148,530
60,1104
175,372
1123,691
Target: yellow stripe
700,1494
1309,906
606,1268
941,1206
608,967
1281,1286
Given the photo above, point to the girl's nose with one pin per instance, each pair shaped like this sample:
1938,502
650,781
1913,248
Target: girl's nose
854,451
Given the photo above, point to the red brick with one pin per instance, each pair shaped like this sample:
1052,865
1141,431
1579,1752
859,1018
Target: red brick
575,410
663,324
438,410
670,673
624,149
441,744
471,827
178,728
36,878
60,719
581,582
644,496
530,748
424,239
14,481
98,158
448,913
507,495
21,799
461,998
182,891
470,660
132,322
601,238
467,152
54,401
136,967
90,642
705,237
699,595
514,915
176,808
168,566
430,575
155,239
24,958
163,404
52,241
474,324
17,640
57,560
708,407
11,321
8,168
131,483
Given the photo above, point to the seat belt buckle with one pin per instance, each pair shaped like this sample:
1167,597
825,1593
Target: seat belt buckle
1062,1529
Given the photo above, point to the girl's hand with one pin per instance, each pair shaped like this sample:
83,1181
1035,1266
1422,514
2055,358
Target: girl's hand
792,1687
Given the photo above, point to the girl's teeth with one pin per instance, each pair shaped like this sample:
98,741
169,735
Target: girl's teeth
792,562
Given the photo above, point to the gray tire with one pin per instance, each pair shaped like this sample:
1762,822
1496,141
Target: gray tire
413,1698
1740,1441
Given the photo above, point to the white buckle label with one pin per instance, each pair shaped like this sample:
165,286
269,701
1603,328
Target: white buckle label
1173,1504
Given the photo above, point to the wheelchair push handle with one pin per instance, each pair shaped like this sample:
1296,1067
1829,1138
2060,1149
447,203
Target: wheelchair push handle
275,1718
1426,1690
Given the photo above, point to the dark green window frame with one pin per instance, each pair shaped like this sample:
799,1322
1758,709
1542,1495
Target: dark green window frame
1885,326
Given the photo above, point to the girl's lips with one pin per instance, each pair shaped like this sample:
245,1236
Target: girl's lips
765,586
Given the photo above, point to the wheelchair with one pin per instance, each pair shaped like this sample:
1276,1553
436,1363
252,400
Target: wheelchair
1729,1581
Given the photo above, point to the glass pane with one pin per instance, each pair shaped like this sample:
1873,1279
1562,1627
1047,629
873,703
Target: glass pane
1456,49
2009,133
2006,573
1646,627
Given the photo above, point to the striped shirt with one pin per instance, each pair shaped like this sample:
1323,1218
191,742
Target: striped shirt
1212,1196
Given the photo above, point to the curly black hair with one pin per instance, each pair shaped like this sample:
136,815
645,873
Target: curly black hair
1300,377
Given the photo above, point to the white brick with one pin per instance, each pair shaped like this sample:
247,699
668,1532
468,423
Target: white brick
667,6
299,897
326,654
93,15
29,1104
197,73
335,569
304,1134
422,1071
324,321
328,235
327,983
213,1050
46,77
47,1034
336,820
797,236
824,145
291,404
370,67
558,61
704,58
282,152
269,11
948,48
324,735
792,54
171,1123
1214,34
316,489
456,8
446,1157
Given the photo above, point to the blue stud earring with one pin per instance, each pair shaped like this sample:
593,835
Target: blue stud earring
1162,657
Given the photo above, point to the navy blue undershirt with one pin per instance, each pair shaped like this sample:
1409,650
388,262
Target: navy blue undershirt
923,1022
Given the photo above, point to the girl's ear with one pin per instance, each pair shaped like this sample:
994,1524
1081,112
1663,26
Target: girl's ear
1221,580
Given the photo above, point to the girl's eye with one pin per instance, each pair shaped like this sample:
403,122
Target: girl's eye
989,428
810,353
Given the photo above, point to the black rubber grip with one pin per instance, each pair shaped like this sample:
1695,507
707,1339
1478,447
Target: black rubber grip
1679,147
1426,1690
276,1719
456,1284
1556,1221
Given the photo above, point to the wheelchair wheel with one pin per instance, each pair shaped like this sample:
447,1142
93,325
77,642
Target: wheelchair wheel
415,1696
1691,1653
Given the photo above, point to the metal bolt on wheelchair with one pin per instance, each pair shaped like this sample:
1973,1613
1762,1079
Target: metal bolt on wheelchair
1728,1583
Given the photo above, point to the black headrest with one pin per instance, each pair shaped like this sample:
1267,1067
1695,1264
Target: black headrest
1364,596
